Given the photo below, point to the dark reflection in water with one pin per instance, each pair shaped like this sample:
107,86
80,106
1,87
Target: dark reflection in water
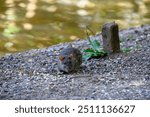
27,24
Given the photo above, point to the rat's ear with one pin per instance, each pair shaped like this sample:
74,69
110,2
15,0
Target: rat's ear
61,58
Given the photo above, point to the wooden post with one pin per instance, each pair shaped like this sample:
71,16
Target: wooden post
110,35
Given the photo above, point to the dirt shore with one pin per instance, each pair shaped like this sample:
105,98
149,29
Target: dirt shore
33,74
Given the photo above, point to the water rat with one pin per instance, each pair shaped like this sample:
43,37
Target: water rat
70,59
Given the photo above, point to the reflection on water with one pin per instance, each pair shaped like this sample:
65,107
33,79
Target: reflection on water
27,24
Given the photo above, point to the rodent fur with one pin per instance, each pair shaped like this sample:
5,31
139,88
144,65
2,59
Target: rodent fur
70,60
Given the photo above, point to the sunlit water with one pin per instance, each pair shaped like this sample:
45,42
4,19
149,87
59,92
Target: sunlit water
27,24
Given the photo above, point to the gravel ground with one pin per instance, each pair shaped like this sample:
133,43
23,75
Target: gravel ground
33,74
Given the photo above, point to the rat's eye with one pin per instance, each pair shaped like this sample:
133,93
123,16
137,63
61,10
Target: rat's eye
61,58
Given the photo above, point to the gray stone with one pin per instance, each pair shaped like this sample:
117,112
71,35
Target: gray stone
110,37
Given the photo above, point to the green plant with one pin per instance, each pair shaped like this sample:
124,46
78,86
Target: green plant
95,49
126,50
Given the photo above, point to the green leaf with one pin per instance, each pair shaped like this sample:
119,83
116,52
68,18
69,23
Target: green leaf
102,52
88,50
95,45
126,50
87,56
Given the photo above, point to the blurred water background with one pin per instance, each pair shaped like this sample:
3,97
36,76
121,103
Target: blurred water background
28,24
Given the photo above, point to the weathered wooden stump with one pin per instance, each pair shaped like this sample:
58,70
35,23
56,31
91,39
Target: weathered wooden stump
110,35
